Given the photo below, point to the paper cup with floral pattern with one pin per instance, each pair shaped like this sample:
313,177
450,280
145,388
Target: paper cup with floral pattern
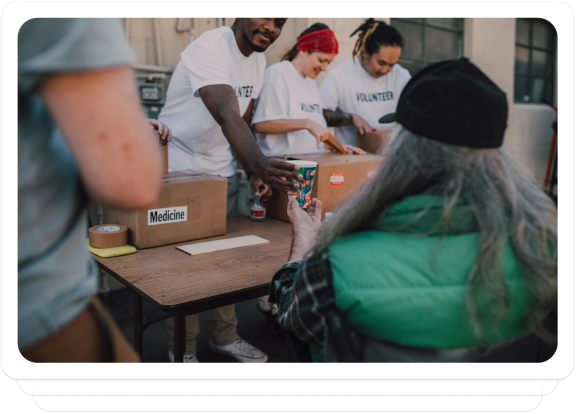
308,170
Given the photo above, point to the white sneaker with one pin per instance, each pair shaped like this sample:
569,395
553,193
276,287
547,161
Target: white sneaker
267,308
241,351
187,357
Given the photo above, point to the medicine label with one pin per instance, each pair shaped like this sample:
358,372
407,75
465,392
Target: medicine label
167,215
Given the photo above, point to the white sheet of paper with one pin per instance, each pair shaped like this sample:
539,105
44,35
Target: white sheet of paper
224,244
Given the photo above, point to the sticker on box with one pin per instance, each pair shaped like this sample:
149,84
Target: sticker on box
371,173
167,215
337,179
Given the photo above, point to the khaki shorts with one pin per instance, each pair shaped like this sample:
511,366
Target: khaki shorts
92,336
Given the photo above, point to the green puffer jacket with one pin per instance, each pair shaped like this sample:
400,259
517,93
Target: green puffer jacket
411,289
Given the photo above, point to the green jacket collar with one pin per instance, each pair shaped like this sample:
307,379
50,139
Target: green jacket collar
422,214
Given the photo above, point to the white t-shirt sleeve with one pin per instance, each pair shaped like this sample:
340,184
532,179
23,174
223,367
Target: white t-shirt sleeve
208,63
329,92
273,98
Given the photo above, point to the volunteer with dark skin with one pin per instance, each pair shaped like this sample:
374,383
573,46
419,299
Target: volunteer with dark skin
209,109
251,35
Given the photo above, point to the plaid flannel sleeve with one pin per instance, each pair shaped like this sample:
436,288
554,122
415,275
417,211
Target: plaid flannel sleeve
303,291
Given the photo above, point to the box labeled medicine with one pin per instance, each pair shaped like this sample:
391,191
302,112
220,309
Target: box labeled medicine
191,206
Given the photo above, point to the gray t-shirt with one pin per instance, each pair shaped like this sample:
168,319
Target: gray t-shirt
56,274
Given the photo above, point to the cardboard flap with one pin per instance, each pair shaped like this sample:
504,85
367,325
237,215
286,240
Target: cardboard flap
179,179
331,158
356,158
377,132
331,142
185,176
181,174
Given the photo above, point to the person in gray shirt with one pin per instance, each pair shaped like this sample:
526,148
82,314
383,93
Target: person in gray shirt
73,76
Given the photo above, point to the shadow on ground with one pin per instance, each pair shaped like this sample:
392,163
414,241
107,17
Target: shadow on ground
253,326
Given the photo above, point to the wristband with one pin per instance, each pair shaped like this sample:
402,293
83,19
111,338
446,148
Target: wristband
250,173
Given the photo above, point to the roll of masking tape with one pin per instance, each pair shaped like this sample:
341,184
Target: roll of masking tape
108,235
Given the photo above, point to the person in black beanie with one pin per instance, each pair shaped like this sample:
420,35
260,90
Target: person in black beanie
450,245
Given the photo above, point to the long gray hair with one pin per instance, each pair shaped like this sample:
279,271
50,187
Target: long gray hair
507,204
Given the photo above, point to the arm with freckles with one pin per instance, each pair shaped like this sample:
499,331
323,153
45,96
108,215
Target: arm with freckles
100,117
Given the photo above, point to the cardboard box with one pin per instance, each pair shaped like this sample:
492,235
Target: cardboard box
191,206
336,176
373,142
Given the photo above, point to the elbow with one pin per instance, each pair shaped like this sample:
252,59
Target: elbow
143,194
132,194
144,198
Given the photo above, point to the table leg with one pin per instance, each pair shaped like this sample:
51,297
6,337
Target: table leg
138,323
179,337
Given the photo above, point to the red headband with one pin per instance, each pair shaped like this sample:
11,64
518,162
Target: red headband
320,41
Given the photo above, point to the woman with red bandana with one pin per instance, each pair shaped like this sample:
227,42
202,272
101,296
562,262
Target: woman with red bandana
289,116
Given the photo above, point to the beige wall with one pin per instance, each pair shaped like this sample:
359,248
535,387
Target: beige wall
489,43
142,36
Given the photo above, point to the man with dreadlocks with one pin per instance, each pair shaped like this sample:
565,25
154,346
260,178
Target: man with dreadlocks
357,92
451,245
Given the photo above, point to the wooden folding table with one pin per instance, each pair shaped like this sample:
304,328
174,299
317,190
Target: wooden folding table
180,285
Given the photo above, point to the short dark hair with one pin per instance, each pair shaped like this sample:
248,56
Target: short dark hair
292,53
374,34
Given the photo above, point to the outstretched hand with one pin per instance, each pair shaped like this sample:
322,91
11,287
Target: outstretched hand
320,133
269,170
306,225
361,124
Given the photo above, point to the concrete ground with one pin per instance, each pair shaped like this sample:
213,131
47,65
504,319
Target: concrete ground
253,326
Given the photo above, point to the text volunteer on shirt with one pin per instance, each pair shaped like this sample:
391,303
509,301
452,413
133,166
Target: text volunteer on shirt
198,142
351,89
287,95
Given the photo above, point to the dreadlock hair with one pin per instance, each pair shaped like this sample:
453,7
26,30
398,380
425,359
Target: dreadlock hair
373,35
292,53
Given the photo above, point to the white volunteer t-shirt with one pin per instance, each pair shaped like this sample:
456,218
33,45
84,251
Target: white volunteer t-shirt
287,95
351,89
214,58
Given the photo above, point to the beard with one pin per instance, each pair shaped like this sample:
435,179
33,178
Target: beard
254,46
